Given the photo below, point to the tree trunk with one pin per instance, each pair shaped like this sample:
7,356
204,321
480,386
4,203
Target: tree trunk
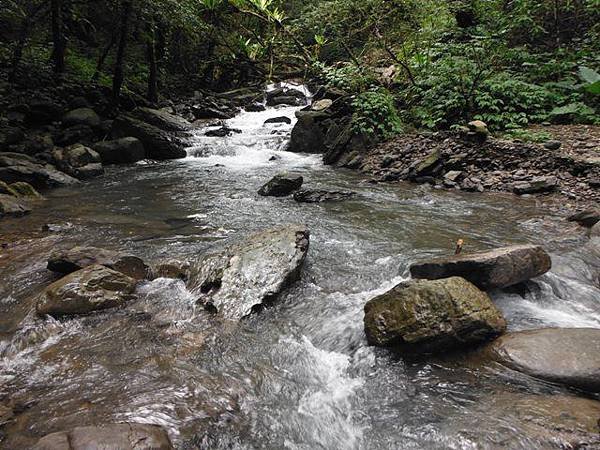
58,37
118,76
152,94
24,31
103,57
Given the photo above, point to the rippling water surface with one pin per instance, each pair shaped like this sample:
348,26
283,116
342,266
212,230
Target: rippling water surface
299,375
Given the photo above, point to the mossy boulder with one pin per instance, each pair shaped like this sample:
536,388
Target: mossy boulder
427,316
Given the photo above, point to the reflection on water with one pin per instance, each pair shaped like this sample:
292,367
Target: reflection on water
300,375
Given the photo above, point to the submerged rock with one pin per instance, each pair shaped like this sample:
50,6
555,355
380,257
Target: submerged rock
320,196
497,268
245,276
281,185
126,150
76,258
424,316
122,436
15,167
93,288
569,356
172,268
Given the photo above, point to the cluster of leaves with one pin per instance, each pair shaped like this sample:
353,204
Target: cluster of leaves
375,114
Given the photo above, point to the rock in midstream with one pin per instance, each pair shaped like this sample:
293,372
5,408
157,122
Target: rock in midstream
244,276
498,268
427,316
122,436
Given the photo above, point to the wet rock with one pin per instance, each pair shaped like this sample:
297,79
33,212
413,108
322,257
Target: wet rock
569,356
320,196
282,119
77,258
427,166
286,100
126,150
255,107
76,134
78,161
90,289
161,119
552,145
122,436
81,116
536,186
587,218
247,275
22,189
307,136
172,268
10,206
41,112
210,112
424,316
281,185
5,189
222,132
16,167
496,268
159,144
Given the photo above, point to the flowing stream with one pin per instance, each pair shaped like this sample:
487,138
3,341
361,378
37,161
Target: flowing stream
299,375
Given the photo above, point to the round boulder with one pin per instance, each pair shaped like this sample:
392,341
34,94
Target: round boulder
281,185
424,316
120,151
81,116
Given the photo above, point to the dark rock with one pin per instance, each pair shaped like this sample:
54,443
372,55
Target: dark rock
122,436
222,132
552,145
11,136
536,186
587,218
255,107
77,258
209,112
41,112
246,276
281,185
497,268
16,167
307,136
76,134
81,116
424,316
281,119
569,356
172,268
78,161
161,119
319,196
94,288
159,144
120,151
10,206
285,100
427,165
79,102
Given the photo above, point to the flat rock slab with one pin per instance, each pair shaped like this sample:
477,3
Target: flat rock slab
426,316
321,196
15,167
497,268
122,436
569,356
244,276
77,258
91,289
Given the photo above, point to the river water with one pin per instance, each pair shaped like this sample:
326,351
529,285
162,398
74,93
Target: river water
299,375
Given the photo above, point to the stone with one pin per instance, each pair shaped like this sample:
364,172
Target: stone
595,231
281,185
76,134
5,189
245,276
552,145
77,258
321,105
222,132
209,112
41,112
90,289
161,119
320,196
286,100
282,119
16,167
159,144
454,175
126,150
587,218
425,316
569,356
307,136
12,207
22,189
479,130
255,107
122,436
79,161
81,116
536,186
498,268
427,165
172,268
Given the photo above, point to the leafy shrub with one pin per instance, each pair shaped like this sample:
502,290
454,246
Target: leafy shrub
347,77
375,114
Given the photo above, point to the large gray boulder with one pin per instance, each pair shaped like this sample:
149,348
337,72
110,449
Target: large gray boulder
281,185
81,116
79,161
159,144
15,167
244,276
569,356
307,136
76,258
161,119
497,268
424,316
126,150
93,288
122,436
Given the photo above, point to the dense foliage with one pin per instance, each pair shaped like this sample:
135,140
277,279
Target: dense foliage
420,63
